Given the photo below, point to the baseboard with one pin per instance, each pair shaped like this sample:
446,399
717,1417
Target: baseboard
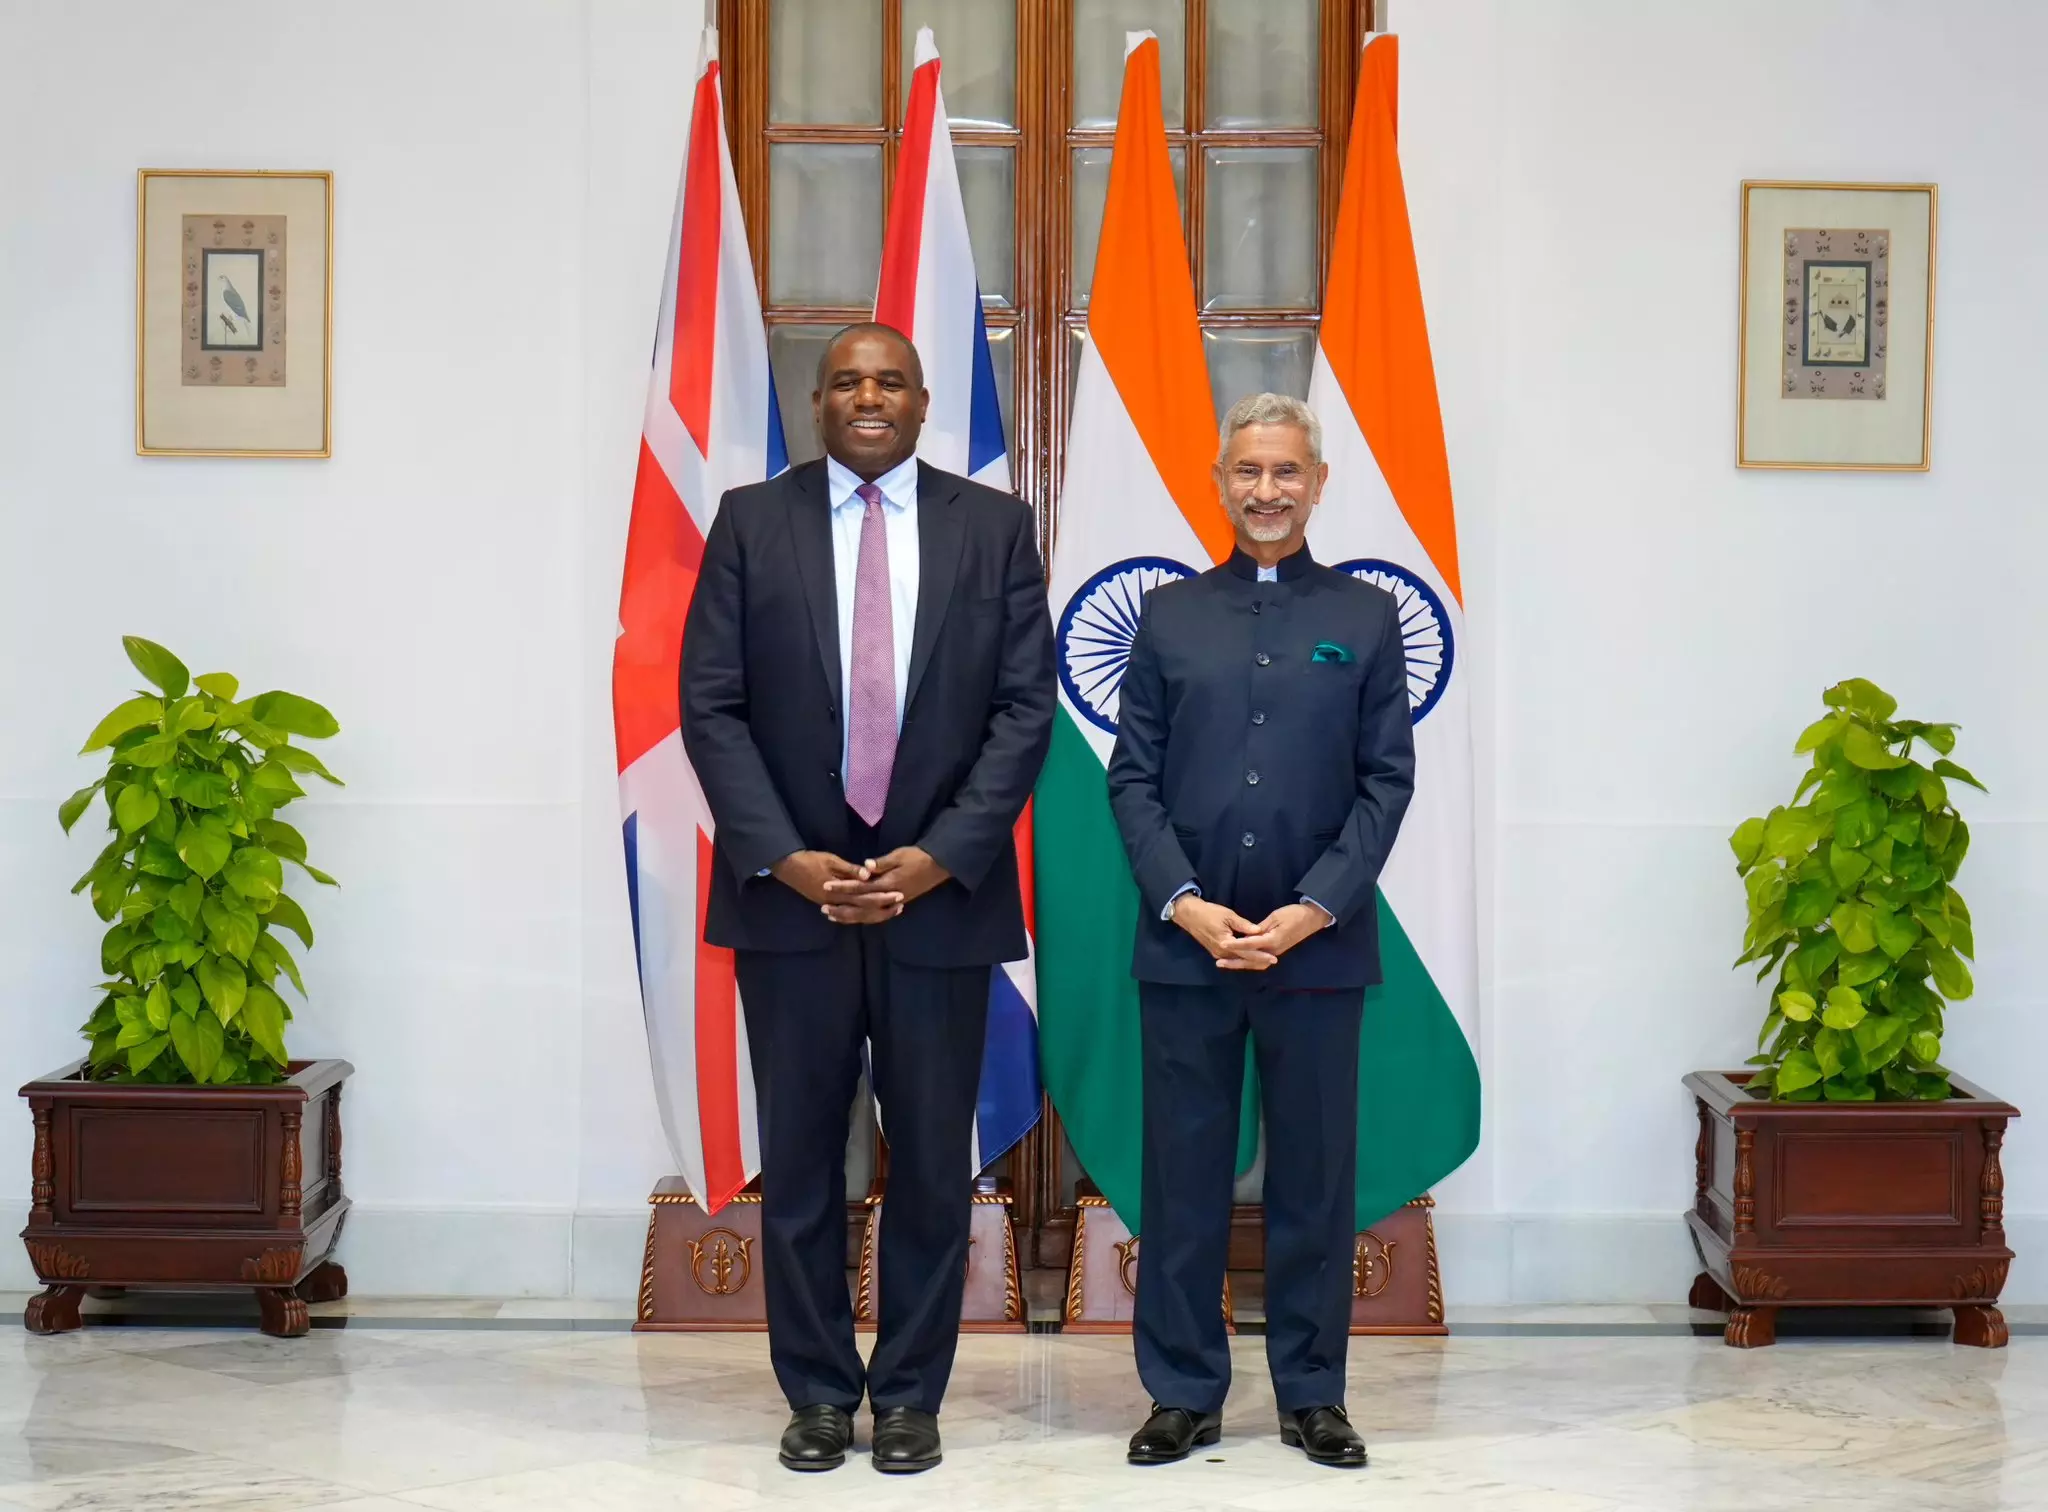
1488,1259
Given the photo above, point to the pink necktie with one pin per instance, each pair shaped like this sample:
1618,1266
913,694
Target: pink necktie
871,717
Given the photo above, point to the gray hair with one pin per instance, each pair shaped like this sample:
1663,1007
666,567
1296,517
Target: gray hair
1271,409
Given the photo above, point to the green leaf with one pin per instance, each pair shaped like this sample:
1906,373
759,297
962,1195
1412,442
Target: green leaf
318,875
1772,1024
185,1038
212,1041
225,988
1899,784
1797,1006
135,807
1950,975
263,1017
201,790
1924,1045
158,665
1848,866
1844,1010
1933,921
158,1006
1817,734
299,759
1852,921
294,715
231,927
133,1033
1799,1070
1850,1091
1858,969
285,913
141,1055
273,953
1857,822
1807,903
153,752
281,838
1791,832
275,782
185,997
254,873
168,928
132,715
1896,933
1951,770
189,714
1941,736
1812,959
220,684
69,810
1827,1051
1905,826
1867,749
204,848
1864,696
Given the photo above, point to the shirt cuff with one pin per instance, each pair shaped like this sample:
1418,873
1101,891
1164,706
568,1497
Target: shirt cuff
1330,913
1166,913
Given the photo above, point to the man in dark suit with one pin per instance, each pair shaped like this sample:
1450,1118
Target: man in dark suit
1263,762
867,694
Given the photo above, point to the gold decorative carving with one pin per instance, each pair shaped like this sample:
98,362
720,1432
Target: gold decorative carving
1372,1265
1076,1268
668,1199
1127,1263
1702,1151
1991,1199
722,1252
1980,1282
273,1267
1745,1181
1754,1285
864,1278
1435,1312
334,1142
43,1191
1013,1288
289,1197
53,1261
647,1274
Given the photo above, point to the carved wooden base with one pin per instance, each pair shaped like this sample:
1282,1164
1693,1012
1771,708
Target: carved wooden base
53,1310
994,1298
284,1312
1752,1327
701,1273
327,1282
1982,1327
1396,1286
1706,1294
1102,1278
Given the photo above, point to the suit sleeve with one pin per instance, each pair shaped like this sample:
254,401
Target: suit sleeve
1343,878
1158,862
972,831
753,825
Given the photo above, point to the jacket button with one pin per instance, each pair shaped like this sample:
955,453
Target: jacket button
1263,659
1251,779
1258,716
1255,608
1250,839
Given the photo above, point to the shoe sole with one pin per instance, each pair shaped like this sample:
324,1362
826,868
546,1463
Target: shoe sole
1206,1439
1293,1441
805,1467
906,1467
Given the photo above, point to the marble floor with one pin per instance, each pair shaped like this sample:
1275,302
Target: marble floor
486,1407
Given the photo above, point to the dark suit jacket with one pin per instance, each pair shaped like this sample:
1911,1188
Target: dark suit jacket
761,704
1263,775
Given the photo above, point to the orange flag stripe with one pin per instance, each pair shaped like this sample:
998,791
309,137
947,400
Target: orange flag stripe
1141,309
1374,335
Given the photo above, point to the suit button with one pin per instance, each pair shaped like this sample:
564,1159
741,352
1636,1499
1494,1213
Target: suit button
1263,659
1258,716
1250,839
1251,779
1255,608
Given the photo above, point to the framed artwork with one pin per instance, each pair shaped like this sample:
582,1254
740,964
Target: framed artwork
234,313
1837,346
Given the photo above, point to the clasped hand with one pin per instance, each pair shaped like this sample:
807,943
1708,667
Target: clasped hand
1240,945
868,892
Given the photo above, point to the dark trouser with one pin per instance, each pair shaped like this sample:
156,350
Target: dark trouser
807,1015
1307,1047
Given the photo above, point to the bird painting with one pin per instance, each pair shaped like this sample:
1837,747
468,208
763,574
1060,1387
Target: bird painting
232,298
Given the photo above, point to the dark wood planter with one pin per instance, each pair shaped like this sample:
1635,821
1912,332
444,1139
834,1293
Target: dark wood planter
188,1188
1848,1205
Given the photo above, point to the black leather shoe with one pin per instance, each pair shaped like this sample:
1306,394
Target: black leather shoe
1171,1432
1325,1435
906,1441
816,1438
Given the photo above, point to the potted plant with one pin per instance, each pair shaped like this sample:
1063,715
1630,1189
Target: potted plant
186,1148
1850,1167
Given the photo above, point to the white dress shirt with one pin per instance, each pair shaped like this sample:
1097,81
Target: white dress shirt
899,523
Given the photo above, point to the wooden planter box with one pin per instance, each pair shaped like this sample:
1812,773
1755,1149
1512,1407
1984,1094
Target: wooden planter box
187,1188
1848,1205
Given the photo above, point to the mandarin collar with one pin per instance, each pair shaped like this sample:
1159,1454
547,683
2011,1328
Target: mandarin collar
1294,565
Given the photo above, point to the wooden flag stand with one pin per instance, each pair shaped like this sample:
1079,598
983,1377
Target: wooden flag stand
994,1300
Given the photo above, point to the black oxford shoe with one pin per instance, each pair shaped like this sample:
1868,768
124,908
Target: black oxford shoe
1171,1432
816,1438
906,1441
1325,1435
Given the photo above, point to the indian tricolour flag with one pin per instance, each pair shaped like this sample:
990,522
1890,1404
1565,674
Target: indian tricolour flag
1387,516
1138,508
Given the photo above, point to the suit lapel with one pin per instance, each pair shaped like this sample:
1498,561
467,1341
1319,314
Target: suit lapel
940,533
810,532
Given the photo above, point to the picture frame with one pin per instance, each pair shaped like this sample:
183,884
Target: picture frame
234,313
1836,348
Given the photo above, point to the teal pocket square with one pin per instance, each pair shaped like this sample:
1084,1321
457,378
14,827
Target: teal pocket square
1330,651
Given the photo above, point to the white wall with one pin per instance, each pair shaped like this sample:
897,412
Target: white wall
1649,627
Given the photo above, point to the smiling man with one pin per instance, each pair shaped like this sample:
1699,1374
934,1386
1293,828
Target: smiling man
867,693
1263,762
